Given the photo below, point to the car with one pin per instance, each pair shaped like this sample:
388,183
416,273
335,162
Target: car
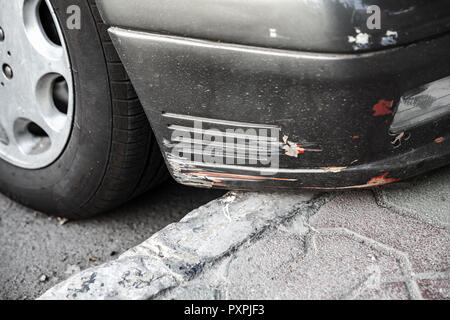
100,100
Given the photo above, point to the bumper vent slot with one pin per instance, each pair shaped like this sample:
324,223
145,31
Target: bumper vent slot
216,141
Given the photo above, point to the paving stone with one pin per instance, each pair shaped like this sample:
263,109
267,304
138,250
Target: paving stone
427,246
386,291
285,265
426,198
437,289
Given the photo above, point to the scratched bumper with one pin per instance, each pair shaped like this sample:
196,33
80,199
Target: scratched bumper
332,112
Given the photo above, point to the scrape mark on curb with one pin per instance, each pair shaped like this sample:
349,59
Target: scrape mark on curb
229,198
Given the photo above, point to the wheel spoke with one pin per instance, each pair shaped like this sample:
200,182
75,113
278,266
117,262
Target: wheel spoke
43,66
36,93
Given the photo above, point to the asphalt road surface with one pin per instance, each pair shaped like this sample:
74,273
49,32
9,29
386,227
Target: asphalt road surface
37,252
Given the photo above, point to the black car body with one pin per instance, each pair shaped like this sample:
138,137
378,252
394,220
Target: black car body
349,106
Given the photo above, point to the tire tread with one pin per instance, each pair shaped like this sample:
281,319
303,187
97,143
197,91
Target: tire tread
136,164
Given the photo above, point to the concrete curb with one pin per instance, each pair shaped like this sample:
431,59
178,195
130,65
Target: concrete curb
181,251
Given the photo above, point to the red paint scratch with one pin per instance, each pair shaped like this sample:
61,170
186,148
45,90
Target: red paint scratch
383,108
235,176
439,140
300,150
378,181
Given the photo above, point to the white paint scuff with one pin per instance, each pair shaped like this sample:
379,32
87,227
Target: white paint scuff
273,33
227,201
390,38
290,148
360,40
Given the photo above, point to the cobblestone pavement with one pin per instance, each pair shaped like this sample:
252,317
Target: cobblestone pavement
387,243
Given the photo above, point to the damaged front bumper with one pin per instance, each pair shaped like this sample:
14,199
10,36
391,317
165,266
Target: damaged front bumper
246,117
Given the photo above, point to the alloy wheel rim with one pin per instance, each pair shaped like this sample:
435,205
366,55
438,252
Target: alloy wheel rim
36,90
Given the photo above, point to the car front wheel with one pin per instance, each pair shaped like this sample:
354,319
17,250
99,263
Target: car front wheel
74,140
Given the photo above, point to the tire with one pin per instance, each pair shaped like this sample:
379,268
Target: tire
111,154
